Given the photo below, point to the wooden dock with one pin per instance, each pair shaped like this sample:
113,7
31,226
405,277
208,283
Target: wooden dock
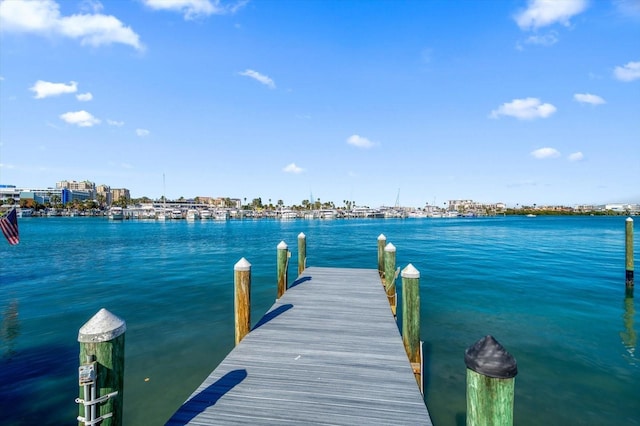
328,352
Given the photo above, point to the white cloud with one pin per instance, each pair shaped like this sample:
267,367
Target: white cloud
576,156
84,97
629,8
543,153
524,109
44,89
192,9
541,13
588,98
142,132
548,39
126,166
292,168
43,17
259,77
80,118
115,123
628,72
360,141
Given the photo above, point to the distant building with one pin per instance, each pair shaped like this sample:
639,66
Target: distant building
118,193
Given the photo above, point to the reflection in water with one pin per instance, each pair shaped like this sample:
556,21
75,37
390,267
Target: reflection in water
9,329
629,337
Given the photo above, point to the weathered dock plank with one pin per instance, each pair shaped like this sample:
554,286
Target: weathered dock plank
328,352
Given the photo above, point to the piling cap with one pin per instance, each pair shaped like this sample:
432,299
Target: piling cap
629,219
282,246
242,265
382,237
301,235
410,272
102,327
389,247
490,358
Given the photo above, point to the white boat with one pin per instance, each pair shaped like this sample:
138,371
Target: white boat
116,213
531,215
205,214
193,214
176,214
286,214
221,215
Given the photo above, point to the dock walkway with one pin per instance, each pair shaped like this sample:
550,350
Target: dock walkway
328,352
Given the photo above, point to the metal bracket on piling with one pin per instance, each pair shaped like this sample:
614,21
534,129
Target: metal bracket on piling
94,421
97,400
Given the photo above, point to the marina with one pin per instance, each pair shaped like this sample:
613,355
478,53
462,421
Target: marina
550,289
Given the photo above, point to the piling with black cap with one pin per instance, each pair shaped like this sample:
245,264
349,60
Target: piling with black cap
629,257
491,372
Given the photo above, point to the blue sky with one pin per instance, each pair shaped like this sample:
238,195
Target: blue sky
510,101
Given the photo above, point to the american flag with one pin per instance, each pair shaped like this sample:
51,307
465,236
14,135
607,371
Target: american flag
9,225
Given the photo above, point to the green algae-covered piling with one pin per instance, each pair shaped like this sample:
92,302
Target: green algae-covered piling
390,275
242,299
382,241
282,260
629,256
302,252
101,372
411,319
491,372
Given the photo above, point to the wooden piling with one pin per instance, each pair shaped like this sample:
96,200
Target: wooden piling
491,372
390,275
382,241
242,300
629,284
102,342
282,261
411,319
302,252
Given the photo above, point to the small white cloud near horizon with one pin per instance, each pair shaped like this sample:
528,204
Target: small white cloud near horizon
360,141
628,72
542,13
576,156
544,153
267,81
588,98
115,123
43,18
524,109
142,132
193,9
80,118
45,89
548,39
292,168
84,97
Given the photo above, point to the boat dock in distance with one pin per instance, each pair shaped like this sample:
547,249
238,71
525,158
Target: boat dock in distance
328,352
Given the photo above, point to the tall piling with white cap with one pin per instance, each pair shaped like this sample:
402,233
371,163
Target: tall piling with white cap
411,319
390,275
302,252
282,266
242,298
382,241
102,368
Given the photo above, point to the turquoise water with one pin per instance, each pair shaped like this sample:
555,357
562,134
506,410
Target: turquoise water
549,289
